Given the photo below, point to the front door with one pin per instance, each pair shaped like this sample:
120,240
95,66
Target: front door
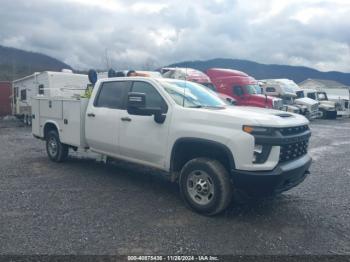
141,138
103,117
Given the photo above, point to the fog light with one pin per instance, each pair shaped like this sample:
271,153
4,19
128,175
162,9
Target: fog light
261,153
258,149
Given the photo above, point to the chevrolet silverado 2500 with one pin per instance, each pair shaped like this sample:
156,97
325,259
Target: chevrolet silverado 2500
185,131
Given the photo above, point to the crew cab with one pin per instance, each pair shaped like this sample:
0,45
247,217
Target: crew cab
242,87
183,130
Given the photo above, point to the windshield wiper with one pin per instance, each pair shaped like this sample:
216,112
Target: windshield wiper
214,107
207,106
196,106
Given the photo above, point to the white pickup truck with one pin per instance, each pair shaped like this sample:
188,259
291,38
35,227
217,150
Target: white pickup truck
185,131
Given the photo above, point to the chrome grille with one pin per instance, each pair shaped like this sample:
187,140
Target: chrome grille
287,131
314,107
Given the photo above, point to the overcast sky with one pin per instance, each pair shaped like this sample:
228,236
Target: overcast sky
135,34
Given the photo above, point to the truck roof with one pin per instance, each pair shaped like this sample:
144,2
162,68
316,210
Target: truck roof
52,73
189,73
223,72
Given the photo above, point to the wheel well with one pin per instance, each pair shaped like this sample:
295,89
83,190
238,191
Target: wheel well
187,149
49,127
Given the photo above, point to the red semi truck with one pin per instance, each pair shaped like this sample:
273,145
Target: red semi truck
242,87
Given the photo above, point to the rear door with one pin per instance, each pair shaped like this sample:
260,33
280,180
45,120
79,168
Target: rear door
102,118
141,138
36,118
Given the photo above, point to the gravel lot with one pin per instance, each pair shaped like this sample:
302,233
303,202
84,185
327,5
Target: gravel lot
86,207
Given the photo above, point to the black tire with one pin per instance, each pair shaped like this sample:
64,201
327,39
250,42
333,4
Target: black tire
333,115
29,121
218,179
308,115
329,114
56,151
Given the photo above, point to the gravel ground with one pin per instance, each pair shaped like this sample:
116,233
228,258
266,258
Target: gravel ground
86,207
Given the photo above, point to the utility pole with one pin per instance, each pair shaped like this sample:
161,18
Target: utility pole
107,59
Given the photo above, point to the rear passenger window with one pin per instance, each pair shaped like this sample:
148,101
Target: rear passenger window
153,98
112,94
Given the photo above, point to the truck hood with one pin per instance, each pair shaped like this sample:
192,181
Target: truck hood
306,101
242,115
328,103
269,98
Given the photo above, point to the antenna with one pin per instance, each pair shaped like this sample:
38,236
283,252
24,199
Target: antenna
107,59
183,101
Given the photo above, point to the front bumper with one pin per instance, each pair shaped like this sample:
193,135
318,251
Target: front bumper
283,177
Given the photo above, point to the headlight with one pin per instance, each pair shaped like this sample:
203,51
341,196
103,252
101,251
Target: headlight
257,130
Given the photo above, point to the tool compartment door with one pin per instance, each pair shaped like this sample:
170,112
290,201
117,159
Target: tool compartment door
71,127
36,118
51,108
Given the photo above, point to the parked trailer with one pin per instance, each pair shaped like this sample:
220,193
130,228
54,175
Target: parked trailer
5,98
49,84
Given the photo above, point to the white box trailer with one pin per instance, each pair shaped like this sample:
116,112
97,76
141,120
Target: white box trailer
46,84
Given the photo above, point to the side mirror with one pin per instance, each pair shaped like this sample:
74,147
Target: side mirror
136,105
231,101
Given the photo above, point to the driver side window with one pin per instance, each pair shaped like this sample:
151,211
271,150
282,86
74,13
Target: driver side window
153,98
237,90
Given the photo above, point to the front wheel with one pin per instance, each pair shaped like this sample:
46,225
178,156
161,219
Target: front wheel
205,186
56,151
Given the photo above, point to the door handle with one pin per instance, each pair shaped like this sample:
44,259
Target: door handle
91,115
126,119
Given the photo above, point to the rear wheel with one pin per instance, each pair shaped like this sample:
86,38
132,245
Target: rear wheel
205,186
29,121
56,151
25,119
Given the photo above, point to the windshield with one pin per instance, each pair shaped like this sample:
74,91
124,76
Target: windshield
322,96
253,89
189,94
312,96
300,94
288,100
